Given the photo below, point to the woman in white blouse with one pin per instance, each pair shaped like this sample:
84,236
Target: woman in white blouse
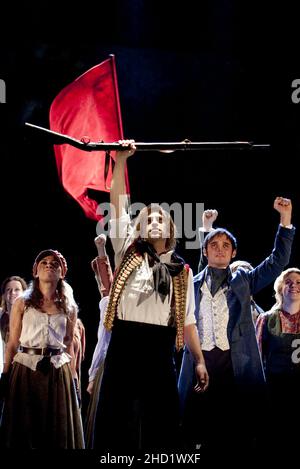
41,408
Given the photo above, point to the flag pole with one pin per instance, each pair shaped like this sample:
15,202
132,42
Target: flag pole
86,145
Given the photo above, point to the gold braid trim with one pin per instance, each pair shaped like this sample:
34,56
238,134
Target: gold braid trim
130,262
180,283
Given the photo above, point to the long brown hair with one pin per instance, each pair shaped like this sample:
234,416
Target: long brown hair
64,296
141,222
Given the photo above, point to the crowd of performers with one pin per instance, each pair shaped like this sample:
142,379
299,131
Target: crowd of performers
238,376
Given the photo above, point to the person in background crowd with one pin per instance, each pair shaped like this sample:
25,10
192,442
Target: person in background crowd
103,274
278,335
11,288
78,354
255,309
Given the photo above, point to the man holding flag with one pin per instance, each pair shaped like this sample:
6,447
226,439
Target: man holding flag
150,309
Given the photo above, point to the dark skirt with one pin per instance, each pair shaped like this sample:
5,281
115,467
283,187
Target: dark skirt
283,406
138,406
41,409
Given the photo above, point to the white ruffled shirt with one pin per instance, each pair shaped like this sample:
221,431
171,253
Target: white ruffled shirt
139,301
41,330
102,343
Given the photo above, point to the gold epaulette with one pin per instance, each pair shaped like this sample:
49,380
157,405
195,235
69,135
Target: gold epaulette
130,262
180,283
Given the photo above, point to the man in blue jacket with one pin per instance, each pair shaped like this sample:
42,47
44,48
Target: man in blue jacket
223,415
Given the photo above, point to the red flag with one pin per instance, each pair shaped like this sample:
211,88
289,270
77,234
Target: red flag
88,107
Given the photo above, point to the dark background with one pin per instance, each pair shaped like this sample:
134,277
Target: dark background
205,70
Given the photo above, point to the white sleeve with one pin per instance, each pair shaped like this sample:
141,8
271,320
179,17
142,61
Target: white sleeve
102,343
190,301
121,236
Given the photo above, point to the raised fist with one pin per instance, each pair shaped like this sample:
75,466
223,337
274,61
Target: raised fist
208,218
100,240
284,207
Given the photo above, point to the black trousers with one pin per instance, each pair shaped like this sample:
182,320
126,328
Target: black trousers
218,420
138,405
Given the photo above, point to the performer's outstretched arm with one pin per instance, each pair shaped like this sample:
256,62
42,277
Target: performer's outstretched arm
208,218
118,195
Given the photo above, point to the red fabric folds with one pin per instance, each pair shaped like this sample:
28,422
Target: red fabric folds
89,108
